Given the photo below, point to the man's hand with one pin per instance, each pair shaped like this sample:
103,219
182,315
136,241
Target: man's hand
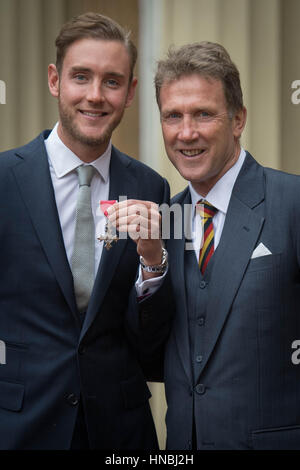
142,221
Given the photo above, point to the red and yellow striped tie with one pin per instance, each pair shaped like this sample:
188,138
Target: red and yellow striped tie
206,211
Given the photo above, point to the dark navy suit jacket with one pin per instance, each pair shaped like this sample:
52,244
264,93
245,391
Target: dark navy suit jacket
50,359
246,389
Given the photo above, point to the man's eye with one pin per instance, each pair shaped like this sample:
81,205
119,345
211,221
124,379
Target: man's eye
171,116
80,77
204,115
112,83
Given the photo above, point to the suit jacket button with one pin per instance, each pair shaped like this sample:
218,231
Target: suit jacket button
72,399
201,321
200,389
199,358
203,284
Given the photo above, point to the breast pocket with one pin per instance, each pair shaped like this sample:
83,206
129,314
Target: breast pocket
261,287
263,263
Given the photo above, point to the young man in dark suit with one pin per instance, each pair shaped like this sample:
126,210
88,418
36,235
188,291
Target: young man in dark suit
74,322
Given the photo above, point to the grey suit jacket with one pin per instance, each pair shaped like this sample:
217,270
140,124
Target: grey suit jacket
246,393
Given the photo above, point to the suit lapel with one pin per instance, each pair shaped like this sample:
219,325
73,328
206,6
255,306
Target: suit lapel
34,181
240,233
122,184
176,249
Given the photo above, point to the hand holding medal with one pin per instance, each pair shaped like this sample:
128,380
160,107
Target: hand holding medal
140,220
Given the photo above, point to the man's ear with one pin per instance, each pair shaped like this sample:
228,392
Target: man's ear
53,80
239,122
131,92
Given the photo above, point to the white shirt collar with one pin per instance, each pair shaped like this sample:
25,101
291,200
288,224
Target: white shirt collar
64,160
220,193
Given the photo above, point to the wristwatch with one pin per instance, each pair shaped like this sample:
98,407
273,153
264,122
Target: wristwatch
157,268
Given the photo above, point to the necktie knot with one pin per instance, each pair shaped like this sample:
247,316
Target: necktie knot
205,209
85,174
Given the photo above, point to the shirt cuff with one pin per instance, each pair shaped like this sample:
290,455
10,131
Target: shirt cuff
149,286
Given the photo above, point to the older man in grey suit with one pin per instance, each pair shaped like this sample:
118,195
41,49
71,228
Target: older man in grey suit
230,379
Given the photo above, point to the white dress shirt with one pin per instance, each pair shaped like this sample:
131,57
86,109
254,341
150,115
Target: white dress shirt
63,163
219,196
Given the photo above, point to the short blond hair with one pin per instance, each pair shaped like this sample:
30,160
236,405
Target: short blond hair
208,59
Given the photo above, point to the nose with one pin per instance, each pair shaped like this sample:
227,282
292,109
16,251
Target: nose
94,93
188,131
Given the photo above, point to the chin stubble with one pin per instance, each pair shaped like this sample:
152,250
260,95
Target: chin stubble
67,121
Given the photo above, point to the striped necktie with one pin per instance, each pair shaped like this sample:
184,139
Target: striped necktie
206,211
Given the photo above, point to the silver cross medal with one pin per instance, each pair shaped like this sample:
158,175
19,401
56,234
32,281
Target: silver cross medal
109,236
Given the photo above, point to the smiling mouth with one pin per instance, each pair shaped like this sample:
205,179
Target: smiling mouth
192,153
93,114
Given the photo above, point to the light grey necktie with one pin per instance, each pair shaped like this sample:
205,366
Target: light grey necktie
83,258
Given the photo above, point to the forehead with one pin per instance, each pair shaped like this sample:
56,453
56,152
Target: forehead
192,89
97,54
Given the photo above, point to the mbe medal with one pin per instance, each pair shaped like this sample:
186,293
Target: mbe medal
109,236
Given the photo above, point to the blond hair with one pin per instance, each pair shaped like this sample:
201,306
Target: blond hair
208,59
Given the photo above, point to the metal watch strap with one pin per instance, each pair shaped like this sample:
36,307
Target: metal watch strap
158,268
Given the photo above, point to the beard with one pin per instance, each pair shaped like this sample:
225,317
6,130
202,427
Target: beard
71,128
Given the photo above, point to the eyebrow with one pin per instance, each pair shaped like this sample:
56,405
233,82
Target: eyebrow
204,108
170,110
78,68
